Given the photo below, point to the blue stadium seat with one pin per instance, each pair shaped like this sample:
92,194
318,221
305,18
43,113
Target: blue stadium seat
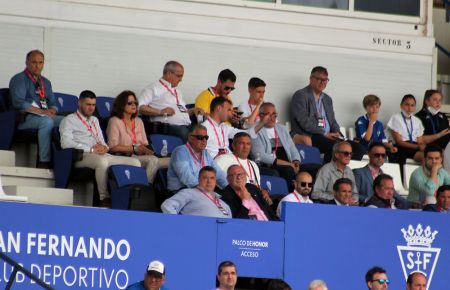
309,154
126,182
104,107
66,103
7,120
156,141
274,185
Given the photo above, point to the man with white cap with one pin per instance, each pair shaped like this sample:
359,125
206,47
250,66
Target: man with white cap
154,278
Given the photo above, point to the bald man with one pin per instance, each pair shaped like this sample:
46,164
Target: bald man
303,186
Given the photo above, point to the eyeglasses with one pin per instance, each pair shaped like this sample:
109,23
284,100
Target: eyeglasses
306,184
228,88
379,155
346,153
131,103
322,80
382,281
271,115
201,137
237,175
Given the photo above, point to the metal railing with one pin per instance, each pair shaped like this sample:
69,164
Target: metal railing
443,49
18,268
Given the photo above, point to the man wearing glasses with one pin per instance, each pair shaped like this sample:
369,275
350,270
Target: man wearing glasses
154,278
332,171
164,103
245,199
303,186
200,200
312,117
376,279
187,160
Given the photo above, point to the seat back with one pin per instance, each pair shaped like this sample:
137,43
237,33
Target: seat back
357,164
127,175
393,169
66,103
274,185
407,171
156,141
4,100
309,154
104,107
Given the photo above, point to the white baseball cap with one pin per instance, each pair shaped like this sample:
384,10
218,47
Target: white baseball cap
156,266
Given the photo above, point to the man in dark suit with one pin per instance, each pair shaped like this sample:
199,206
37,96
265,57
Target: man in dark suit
343,191
245,199
312,117
383,187
442,200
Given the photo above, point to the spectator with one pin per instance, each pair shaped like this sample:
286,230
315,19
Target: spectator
426,179
383,187
442,200
154,278
376,279
368,128
250,109
407,131
278,285
227,276
416,281
312,117
435,123
332,171
274,147
200,200
219,131
81,130
342,189
245,199
317,285
164,102
32,93
187,160
126,134
303,185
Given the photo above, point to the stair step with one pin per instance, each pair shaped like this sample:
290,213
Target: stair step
27,176
7,158
43,195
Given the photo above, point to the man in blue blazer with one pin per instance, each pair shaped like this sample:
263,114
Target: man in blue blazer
442,200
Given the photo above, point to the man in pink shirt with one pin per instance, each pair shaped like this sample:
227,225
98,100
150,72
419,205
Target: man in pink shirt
245,199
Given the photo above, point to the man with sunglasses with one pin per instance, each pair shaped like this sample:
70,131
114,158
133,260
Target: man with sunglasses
312,117
200,200
332,171
303,186
187,160
164,103
376,279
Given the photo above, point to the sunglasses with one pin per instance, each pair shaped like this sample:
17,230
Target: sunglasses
228,88
201,137
346,153
131,103
306,184
382,281
379,155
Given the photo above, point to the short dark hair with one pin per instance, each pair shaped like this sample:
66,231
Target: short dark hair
227,75
379,179
218,101
240,135
432,148
411,277
372,271
206,169
427,96
442,189
30,53
406,97
225,264
343,180
254,83
278,284
86,94
376,144
319,70
120,102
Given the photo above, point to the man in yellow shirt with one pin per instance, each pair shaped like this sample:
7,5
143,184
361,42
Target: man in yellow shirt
224,86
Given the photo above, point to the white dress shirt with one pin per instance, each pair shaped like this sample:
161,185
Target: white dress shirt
251,169
292,197
401,126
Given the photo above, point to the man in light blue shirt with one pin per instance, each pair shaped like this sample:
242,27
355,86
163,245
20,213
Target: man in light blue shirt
187,160
201,200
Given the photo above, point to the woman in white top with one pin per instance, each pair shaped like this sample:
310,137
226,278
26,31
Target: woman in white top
407,131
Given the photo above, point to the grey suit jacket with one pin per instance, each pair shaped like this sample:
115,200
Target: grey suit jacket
304,116
262,145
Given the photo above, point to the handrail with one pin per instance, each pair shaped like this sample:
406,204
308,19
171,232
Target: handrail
443,49
19,268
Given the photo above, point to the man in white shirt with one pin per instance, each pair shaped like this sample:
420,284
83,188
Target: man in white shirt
303,186
250,109
164,102
81,130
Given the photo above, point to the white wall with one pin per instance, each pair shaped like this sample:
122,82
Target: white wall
108,48
442,34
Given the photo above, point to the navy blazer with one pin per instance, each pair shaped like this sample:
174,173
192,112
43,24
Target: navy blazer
430,207
304,116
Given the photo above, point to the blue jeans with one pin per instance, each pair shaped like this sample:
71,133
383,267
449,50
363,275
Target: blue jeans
44,125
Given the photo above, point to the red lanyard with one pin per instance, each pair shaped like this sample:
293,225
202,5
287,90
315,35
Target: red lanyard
250,176
34,80
173,93
89,127
276,142
217,135
296,196
196,159
251,110
214,200
133,130
374,174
